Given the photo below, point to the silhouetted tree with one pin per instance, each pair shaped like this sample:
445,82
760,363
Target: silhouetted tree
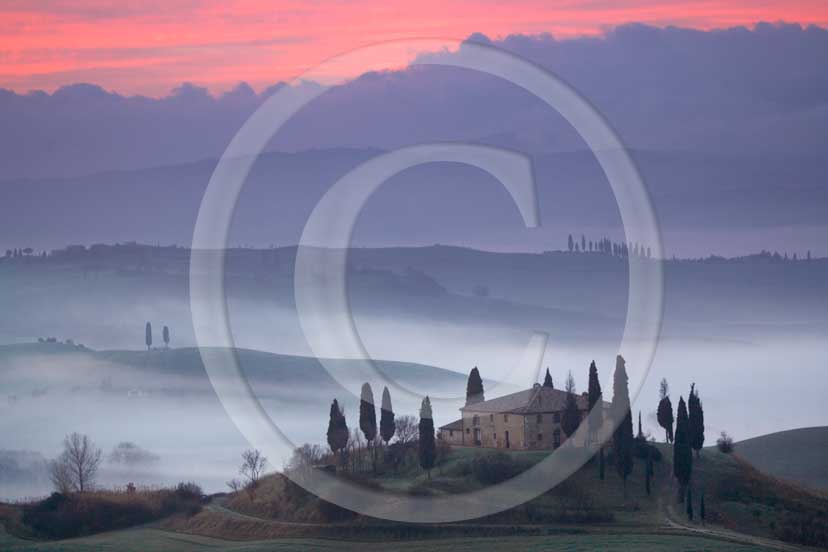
808,256
407,428
690,503
682,453
583,242
368,419
623,438
474,388
60,473
571,417
427,448
547,380
77,466
596,406
640,431
387,425
253,465
696,420
595,419
337,429
148,335
571,243
665,412
165,334
724,443
650,471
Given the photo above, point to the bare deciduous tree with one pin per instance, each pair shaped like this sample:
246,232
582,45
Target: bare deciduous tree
253,464
303,460
77,466
61,476
407,429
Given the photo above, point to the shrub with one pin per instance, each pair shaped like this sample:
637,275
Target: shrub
494,468
65,516
642,449
810,531
189,491
398,454
725,443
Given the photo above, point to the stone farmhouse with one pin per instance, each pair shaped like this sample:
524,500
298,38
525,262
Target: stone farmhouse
526,420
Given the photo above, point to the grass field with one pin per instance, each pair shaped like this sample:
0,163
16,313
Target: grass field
140,540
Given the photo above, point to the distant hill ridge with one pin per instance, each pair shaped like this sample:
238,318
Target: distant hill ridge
257,365
798,455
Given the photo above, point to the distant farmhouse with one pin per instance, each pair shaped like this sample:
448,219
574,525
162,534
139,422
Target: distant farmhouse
526,420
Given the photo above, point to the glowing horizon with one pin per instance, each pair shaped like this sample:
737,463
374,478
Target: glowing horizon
151,49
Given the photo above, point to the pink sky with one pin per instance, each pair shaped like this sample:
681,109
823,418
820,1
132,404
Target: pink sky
150,47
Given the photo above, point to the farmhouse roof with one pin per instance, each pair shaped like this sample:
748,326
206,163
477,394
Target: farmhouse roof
537,399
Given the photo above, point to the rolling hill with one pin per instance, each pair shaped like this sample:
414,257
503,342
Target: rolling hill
798,455
258,366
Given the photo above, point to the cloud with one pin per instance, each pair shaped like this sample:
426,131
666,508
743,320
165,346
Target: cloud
733,91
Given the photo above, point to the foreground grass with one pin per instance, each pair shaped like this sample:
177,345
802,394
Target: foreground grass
139,540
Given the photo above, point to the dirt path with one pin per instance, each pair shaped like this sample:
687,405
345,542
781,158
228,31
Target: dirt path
673,521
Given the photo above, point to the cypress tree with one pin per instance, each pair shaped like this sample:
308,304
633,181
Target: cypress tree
571,418
333,443
426,445
368,419
387,425
665,418
570,243
547,380
682,453
690,503
595,419
337,429
474,388
596,405
623,438
665,411
696,420
165,334
148,335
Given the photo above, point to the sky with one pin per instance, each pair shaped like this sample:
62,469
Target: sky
150,47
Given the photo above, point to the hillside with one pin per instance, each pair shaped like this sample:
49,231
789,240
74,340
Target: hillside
259,366
798,455
739,499
746,510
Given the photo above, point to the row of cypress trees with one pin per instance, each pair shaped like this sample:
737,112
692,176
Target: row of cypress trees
695,416
165,335
689,436
338,434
